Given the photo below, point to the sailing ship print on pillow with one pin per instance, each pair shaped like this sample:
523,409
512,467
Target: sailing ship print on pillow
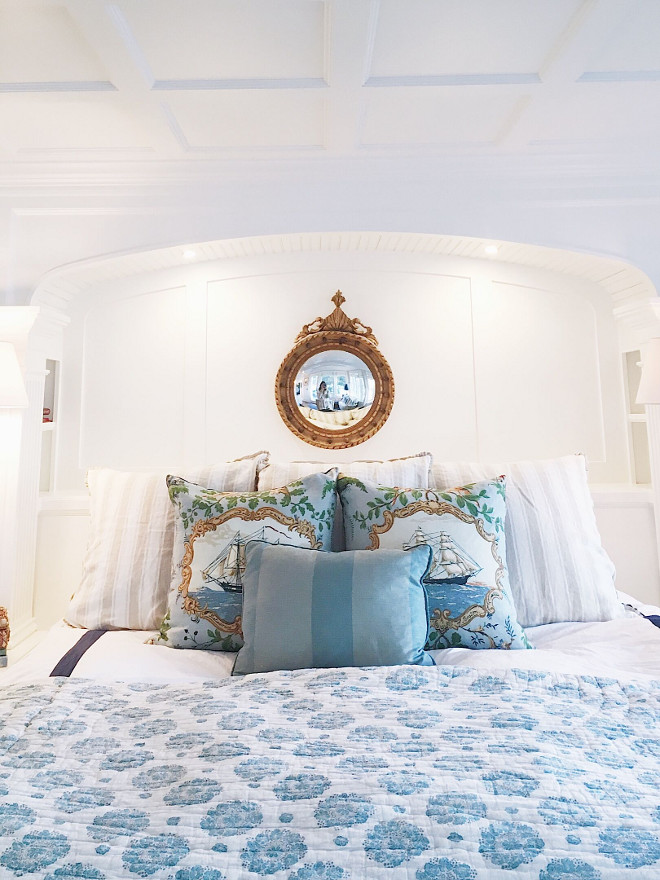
467,585
205,605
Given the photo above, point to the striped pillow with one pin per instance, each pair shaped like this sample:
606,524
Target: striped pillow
303,609
412,470
558,569
128,563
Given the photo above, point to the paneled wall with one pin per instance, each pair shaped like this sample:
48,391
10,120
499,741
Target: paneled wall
490,362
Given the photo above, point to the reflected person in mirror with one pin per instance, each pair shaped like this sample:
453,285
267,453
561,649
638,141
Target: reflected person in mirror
323,402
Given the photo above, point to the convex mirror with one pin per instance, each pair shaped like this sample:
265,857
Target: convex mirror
334,388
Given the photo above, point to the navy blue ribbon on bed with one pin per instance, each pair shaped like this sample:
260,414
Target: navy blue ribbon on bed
65,666
654,618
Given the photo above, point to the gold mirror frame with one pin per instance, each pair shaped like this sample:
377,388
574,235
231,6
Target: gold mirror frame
336,331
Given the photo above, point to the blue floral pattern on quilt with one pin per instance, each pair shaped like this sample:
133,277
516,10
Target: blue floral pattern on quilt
473,775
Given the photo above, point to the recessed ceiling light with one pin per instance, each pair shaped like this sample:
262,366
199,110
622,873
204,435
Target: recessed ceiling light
189,255
491,250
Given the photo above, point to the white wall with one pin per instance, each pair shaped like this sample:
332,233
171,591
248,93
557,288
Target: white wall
178,367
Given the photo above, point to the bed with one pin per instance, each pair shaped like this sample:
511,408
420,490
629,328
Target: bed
146,761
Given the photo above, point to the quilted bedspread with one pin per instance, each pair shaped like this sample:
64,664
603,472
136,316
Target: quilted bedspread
402,772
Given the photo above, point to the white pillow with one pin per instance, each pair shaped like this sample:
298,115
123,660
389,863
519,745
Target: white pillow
413,470
128,563
558,568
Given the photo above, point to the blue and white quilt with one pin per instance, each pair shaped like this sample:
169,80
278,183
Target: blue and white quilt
446,773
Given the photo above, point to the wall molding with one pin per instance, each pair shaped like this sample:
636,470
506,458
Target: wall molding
630,290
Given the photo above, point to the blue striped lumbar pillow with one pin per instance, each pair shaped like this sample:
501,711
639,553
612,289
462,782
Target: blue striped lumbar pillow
303,609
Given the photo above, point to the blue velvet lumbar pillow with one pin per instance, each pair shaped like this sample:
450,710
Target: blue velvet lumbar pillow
304,609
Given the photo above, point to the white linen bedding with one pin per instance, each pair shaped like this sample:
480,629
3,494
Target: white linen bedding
623,648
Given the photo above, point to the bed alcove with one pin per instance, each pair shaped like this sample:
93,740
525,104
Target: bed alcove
163,360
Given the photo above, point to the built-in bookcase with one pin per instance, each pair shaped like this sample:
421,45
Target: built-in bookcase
636,413
49,425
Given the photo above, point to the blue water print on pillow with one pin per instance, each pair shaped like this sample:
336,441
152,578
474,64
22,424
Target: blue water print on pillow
469,598
212,529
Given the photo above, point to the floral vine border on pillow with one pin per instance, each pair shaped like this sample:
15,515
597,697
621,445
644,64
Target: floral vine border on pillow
300,514
477,505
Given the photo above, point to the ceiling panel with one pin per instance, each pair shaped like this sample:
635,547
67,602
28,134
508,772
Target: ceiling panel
259,119
226,39
470,115
42,44
599,116
444,37
633,46
38,122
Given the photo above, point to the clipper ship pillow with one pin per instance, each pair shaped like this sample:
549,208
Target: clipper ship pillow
205,604
467,585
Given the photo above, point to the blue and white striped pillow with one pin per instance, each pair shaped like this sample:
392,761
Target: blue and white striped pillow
305,609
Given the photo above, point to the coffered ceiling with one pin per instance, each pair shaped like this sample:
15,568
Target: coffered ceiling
181,81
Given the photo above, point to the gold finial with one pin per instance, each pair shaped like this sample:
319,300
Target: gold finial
338,320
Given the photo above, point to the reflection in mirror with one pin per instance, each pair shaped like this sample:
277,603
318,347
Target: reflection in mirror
334,389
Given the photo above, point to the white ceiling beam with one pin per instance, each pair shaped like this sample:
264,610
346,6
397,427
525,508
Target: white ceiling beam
593,22
107,31
349,34
564,64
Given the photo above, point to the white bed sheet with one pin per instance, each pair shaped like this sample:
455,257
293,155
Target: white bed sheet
625,648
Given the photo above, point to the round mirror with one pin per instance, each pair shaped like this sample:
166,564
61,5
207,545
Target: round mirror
334,389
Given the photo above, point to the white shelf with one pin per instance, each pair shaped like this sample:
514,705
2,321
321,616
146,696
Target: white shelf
48,426
621,494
